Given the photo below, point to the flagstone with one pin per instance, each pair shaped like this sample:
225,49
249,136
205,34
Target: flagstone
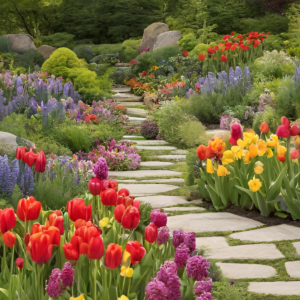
218,248
220,221
297,247
121,89
179,152
185,208
143,189
143,173
156,147
286,288
172,157
161,201
155,164
137,112
136,120
167,180
240,271
269,234
293,268
150,142
132,137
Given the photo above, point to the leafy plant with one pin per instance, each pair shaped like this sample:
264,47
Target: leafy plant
59,40
149,130
29,60
84,51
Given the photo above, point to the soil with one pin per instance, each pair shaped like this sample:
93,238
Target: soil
255,215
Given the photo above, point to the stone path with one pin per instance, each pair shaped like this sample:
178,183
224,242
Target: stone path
244,252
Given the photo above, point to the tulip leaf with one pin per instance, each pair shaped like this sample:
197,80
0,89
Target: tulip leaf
281,215
215,198
4,291
233,193
293,182
274,189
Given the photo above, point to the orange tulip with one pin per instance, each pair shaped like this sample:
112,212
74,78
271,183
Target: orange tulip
113,256
253,150
201,152
9,239
264,127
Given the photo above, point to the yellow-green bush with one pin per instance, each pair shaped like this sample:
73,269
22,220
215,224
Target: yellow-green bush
200,48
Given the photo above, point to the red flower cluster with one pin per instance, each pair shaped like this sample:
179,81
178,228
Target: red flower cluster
286,130
90,118
185,53
77,209
30,158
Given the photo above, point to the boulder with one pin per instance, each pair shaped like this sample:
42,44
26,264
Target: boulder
46,51
20,43
169,38
11,142
151,33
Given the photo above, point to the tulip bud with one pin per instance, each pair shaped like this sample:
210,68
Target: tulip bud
7,220
124,192
264,128
112,184
95,186
294,131
9,239
19,263
27,238
109,197
129,201
282,132
151,233
294,154
131,218
40,164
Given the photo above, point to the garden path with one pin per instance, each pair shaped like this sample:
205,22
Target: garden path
267,259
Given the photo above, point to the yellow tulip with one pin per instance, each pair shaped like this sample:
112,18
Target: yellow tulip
103,222
81,297
127,272
237,151
281,150
270,153
222,171
250,137
209,166
217,145
228,157
262,147
123,298
258,167
247,157
253,150
254,184
241,143
273,141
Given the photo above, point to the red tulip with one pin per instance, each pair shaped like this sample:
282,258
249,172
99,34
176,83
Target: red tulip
294,131
202,56
285,122
144,73
40,164
27,238
113,256
112,184
28,209
210,50
124,192
131,218
119,212
7,220
151,233
264,127
294,154
57,220
136,251
40,247
137,204
78,210
285,130
71,250
20,152
121,200
201,152
282,132
96,248
96,186
280,158
236,133
30,158
9,239
19,263
53,233
223,58
109,197
129,201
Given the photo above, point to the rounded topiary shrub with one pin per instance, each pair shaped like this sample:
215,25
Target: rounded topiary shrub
149,130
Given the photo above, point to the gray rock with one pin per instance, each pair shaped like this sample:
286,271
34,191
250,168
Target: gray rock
269,234
240,271
290,288
147,189
123,97
293,268
46,51
150,142
20,43
179,152
151,34
169,38
12,142
161,201
168,180
221,133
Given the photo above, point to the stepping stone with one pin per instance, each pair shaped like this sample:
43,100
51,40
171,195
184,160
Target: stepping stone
293,268
187,208
220,221
218,248
198,201
156,147
168,180
143,173
123,97
129,137
150,142
144,189
137,112
136,120
222,134
171,157
124,89
155,164
129,103
297,247
179,152
241,271
269,234
286,288
161,201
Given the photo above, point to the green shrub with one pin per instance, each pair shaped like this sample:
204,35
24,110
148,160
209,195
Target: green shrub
200,48
84,51
29,60
101,69
129,50
188,42
106,49
293,51
5,45
59,39
273,42
120,75
60,62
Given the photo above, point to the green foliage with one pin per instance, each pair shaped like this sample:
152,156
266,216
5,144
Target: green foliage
192,172
120,75
29,60
129,50
188,42
200,48
225,291
60,62
293,51
106,49
5,45
273,42
164,53
269,116
84,51
59,40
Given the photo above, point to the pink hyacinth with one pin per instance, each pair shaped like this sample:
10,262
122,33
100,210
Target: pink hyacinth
182,255
158,218
202,286
163,235
197,267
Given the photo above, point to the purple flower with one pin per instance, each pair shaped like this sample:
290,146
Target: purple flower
182,255
190,240
173,285
67,275
178,238
205,296
169,267
202,286
53,288
100,169
197,267
158,218
163,235
156,290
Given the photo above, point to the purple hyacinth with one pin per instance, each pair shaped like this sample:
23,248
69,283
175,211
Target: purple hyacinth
197,267
178,238
202,286
182,255
205,296
158,218
173,285
53,288
163,235
67,275
190,240
169,267
100,169
156,290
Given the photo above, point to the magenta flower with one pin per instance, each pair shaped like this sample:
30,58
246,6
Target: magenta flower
163,235
190,240
178,238
156,290
100,169
197,267
67,275
158,218
205,296
202,286
182,255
